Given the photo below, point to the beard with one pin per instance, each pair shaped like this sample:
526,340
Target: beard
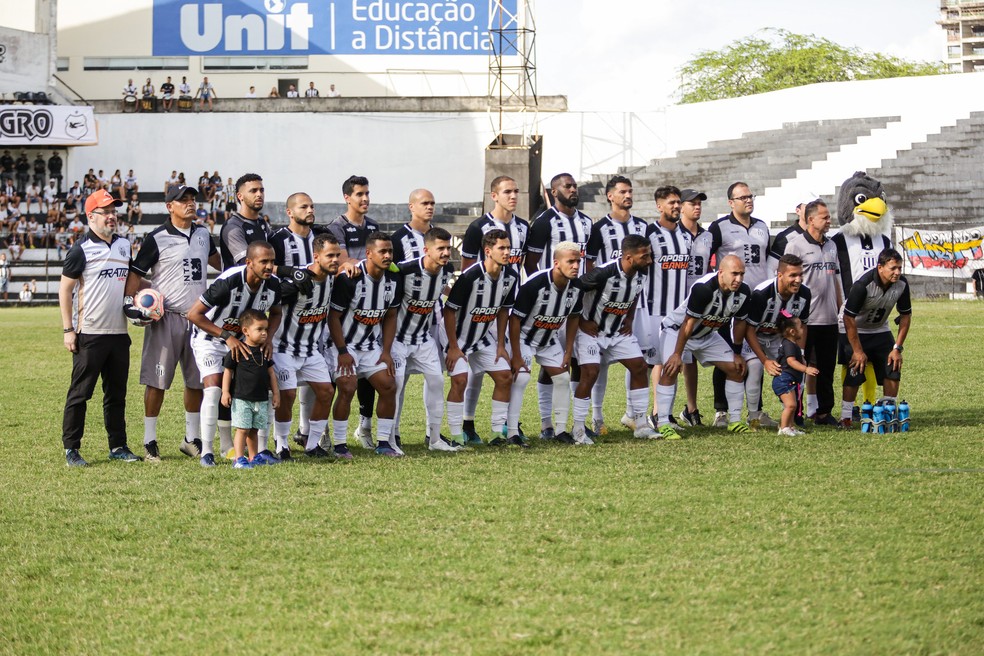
862,226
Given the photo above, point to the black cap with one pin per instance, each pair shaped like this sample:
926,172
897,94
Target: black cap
692,194
177,191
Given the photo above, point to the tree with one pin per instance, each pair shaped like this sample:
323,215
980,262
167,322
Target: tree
780,60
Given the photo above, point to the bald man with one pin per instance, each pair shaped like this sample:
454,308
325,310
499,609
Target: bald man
715,300
408,239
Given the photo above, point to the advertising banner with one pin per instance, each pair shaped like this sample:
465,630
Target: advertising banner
42,125
338,27
946,253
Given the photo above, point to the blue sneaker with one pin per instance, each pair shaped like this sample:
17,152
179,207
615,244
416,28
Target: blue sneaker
548,434
242,463
264,458
208,460
124,454
472,438
74,459
384,449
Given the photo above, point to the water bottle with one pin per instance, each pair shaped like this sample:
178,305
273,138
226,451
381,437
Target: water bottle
867,417
891,421
878,413
904,417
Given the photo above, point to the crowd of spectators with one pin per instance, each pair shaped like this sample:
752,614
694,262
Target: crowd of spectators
205,94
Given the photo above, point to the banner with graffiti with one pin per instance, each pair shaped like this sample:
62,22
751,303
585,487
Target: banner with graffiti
944,253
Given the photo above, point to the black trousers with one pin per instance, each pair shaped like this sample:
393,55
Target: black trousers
107,356
366,394
821,350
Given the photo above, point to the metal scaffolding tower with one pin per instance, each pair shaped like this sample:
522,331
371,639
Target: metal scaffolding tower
512,67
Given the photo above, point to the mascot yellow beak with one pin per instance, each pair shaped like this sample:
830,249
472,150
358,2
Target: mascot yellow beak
872,209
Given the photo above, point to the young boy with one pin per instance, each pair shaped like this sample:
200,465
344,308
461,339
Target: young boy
245,385
787,384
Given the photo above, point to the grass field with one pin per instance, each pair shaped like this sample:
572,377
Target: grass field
830,543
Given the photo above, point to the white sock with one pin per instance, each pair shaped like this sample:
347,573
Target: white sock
384,429
811,404
434,403
401,391
628,397
281,433
639,401
455,418
580,412
150,429
516,393
225,435
305,401
193,425
598,394
560,401
209,415
365,423
544,399
847,409
753,386
314,435
340,430
665,394
499,411
734,391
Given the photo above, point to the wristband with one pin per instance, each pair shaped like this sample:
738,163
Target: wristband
342,350
737,349
226,334
68,330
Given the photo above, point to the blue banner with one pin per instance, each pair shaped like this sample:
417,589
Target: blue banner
331,27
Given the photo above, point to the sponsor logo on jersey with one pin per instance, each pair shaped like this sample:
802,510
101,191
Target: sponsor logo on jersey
484,315
369,317
830,268
422,307
673,262
618,309
119,273
547,322
312,315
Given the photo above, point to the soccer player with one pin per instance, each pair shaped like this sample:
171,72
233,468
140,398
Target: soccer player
700,264
604,246
548,301
297,354
247,225
175,259
561,223
351,229
505,195
408,239
868,337
783,294
482,295
821,274
611,294
746,237
95,331
215,316
415,350
714,301
362,324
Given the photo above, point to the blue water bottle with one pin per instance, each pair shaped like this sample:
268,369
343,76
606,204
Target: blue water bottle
866,418
904,417
878,413
891,421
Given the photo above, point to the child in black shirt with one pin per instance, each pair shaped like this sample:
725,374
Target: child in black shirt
787,384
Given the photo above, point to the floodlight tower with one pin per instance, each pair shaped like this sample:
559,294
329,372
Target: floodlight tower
512,90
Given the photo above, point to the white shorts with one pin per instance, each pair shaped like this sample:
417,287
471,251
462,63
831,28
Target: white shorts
769,343
208,356
707,350
480,362
548,356
418,359
291,370
366,363
598,350
647,330
331,360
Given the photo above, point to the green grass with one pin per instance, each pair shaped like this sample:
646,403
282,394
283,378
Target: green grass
833,543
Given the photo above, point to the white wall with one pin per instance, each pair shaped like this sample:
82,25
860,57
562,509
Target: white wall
25,61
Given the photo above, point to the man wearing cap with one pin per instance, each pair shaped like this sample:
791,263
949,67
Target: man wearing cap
174,258
95,330
700,263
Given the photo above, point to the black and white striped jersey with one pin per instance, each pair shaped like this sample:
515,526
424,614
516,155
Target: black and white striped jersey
364,303
710,305
778,247
352,237
421,295
408,243
605,242
477,298
766,304
667,285
229,295
750,245
856,254
101,267
176,264
237,234
543,309
700,254
609,295
305,318
291,249
518,230
871,304
553,227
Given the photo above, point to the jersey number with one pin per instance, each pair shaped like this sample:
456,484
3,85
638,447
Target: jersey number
192,270
753,254
876,316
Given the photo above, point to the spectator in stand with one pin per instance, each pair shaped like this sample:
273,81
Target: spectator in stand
32,230
171,182
55,170
9,192
102,182
230,200
76,227
332,93
274,93
133,209
167,94
251,93
181,179
73,195
146,92
33,196
184,89
50,196
116,185
23,168
129,91
6,167
63,240
311,91
40,171
215,183
207,93
130,183
50,230
4,275
28,291
292,92
203,184
16,247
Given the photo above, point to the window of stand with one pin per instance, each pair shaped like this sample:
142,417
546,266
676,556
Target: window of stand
254,63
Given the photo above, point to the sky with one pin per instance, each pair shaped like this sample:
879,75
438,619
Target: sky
625,54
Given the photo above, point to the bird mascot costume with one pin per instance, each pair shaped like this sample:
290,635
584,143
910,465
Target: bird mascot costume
865,231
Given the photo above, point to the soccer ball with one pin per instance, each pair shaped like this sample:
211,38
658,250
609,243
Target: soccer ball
150,302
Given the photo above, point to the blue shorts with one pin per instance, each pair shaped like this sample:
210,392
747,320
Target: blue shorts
250,414
785,383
